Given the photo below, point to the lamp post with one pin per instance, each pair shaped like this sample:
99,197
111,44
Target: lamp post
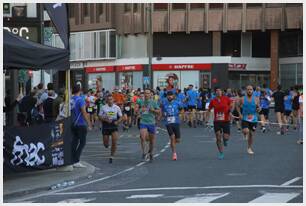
150,43
41,17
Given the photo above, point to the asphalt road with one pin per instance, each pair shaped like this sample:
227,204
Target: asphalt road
273,174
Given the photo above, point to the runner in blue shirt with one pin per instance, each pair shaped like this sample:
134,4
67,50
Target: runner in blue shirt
288,99
171,111
264,100
192,97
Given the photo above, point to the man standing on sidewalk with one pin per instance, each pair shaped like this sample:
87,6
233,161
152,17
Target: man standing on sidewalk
111,116
79,126
171,111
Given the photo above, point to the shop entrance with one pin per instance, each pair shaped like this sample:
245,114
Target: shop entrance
205,80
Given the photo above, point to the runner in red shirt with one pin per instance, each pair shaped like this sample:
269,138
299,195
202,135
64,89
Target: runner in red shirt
222,106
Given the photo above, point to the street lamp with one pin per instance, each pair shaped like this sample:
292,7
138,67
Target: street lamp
150,43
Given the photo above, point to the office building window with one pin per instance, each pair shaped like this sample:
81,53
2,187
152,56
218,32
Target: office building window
231,44
85,9
178,6
197,6
261,44
253,5
100,9
161,6
290,75
71,10
135,8
215,6
291,43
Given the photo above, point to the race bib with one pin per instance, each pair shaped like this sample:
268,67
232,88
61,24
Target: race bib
250,117
90,109
207,105
220,116
111,115
171,120
127,108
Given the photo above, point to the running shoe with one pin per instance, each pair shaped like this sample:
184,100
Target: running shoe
221,156
174,156
151,158
263,130
300,141
250,151
278,133
110,161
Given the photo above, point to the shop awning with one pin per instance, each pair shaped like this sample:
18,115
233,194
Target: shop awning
20,53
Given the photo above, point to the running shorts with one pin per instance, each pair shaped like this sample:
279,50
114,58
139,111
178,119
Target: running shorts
287,113
174,129
279,109
264,112
222,127
109,131
250,125
150,127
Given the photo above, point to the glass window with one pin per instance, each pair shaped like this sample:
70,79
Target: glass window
299,74
261,44
85,9
112,44
246,41
137,80
88,40
160,6
197,6
290,43
72,47
287,75
231,44
102,45
300,43
234,5
127,7
178,6
215,6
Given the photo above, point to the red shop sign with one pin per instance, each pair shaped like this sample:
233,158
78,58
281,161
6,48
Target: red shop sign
236,66
100,69
184,67
126,68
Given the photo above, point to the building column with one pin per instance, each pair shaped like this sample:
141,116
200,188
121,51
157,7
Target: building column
274,60
216,43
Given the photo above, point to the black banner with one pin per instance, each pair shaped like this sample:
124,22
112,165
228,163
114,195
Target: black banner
59,16
37,147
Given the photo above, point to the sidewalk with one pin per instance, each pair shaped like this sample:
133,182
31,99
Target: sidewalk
31,182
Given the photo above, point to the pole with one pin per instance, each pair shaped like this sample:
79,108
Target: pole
41,16
150,44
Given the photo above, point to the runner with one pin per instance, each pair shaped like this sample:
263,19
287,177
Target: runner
278,97
295,107
300,116
264,113
147,109
288,108
171,110
192,97
222,106
91,106
181,98
111,116
250,105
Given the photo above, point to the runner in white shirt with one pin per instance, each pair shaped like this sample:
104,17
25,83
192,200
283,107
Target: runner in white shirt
111,116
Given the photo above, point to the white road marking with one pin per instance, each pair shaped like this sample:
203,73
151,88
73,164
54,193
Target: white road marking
203,198
163,150
236,174
141,163
156,155
81,200
275,198
144,196
129,169
291,181
179,188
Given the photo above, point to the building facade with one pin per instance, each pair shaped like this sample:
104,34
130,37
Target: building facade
204,44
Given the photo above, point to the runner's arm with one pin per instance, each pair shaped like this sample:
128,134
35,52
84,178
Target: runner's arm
238,106
86,116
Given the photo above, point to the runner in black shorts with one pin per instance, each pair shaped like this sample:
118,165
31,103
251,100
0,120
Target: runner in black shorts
111,116
278,97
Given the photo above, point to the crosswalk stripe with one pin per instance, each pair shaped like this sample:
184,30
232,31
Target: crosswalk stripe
275,198
80,200
144,196
203,198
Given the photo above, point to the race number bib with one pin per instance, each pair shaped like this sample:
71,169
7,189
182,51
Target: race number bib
111,115
171,120
127,108
220,116
90,109
250,117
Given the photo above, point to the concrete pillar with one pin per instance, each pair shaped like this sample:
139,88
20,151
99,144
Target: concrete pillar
216,43
274,60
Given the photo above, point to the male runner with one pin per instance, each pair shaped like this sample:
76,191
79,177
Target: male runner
147,108
111,116
278,97
171,110
222,106
192,97
250,105
264,100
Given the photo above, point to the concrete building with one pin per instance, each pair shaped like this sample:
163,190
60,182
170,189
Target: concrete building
204,44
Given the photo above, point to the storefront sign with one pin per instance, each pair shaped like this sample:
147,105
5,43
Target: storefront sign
183,67
26,149
100,69
126,68
76,65
237,66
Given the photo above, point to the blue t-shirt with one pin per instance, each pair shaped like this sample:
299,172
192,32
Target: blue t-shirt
288,103
257,93
264,102
77,102
171,111
199,104
192,97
